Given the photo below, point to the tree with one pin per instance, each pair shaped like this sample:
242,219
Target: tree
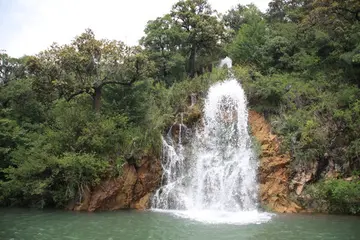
340,21
87,65
249,40
276,10
337,9
10,68
163,42
234,18
288,10
239,15
4,68
191,34
203,32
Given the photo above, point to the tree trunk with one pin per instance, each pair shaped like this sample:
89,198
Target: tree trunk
164,69
97,99
210,67
192,61
163,63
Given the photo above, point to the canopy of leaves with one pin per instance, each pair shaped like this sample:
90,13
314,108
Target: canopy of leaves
73,114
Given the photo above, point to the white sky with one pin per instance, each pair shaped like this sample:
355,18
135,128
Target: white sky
29,26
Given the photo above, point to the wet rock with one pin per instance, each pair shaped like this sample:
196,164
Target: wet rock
302,177
332,170
143,203
273,169
349,179
84,201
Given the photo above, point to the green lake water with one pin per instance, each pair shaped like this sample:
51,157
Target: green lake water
130,225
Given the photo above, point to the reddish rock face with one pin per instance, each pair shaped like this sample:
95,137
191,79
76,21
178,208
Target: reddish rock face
273,171
132,190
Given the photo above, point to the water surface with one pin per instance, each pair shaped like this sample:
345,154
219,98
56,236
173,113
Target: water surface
27,224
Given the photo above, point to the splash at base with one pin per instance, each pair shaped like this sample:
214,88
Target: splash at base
213,177
221,217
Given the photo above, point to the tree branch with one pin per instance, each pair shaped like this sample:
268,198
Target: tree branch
356,12
116,82
78,93
137,69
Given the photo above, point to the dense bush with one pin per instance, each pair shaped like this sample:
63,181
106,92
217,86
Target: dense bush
41,179
339,196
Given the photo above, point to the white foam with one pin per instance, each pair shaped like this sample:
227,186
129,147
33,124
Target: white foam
221,217
212,178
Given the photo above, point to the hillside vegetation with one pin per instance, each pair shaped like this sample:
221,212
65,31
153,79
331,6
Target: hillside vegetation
73,114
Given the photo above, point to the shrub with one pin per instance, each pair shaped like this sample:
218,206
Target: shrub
41,179
341,196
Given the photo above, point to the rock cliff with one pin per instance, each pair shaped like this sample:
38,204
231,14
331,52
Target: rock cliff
132,190
273,170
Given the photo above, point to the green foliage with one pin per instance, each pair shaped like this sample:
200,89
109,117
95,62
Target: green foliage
339,195
87,65
184,42
163,43
53,145
314,117
247,45
75,113
42,179
180,92
264,93
10,137
76,172
19,101
239,15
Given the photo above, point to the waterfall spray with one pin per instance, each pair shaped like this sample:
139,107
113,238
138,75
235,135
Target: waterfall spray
214,180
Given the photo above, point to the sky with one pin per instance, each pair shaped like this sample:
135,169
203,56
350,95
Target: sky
29,26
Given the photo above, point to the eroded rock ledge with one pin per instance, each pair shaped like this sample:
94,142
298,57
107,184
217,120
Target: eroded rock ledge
132,190
273,171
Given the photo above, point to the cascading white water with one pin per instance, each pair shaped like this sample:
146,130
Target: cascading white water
224,172
213,178
226,61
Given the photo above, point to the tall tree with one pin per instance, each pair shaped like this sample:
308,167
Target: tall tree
10,68
288,10
5,68
204,32
163,42
87,65
250,38
333,11
348,10
341,22
239,15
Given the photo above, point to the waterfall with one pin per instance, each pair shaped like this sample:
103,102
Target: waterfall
226,61
224,172
212,178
